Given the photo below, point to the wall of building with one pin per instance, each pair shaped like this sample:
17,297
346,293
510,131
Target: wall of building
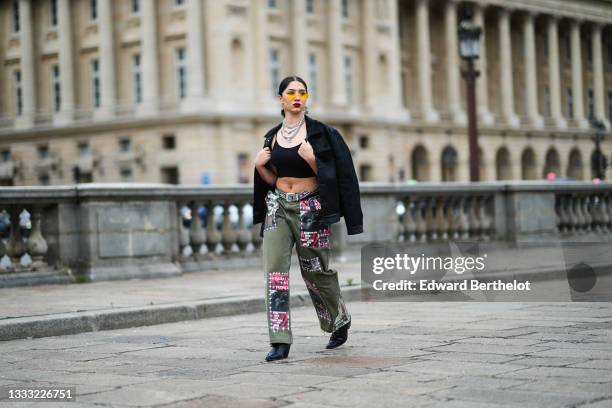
230,102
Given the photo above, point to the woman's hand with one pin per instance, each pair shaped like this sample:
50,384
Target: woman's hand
307,154
262,157
306,151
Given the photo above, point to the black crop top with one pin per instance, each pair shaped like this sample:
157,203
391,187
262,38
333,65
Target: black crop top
289,163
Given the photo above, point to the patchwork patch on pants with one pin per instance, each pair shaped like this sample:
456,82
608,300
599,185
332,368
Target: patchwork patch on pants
272,206
279,300
313,233
311,264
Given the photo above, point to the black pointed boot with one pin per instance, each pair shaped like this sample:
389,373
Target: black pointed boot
278,352
339,337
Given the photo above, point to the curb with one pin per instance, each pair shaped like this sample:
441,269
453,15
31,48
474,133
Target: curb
112,319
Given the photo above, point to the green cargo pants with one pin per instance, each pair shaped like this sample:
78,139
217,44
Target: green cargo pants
295,219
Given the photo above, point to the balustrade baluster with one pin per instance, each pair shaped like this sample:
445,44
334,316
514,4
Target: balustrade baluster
464,223
398,225
605,216
228,234
4,216
15,247
588,220
562,216
451,224
473,217
409,221
197,235
37,244
596,213
484,219
212,233
609,206
430,218
421,222
441,224
184,248
577,213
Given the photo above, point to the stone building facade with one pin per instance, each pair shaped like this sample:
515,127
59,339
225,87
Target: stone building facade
182,91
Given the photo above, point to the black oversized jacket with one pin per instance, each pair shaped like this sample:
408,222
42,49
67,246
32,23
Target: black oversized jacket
338,184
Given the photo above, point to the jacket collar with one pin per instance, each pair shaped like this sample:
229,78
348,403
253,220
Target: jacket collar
313,128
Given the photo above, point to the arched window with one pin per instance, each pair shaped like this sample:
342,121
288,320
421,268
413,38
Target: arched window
575,168
420,164
528,165
503,165
552,164
449,164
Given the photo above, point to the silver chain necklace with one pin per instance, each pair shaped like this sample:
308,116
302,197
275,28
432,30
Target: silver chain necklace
289,132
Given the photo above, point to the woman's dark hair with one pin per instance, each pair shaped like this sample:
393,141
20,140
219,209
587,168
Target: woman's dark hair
285,83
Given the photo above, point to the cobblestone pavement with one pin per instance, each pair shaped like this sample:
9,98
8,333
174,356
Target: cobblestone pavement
398,354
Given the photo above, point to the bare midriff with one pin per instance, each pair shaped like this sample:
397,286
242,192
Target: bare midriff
296,184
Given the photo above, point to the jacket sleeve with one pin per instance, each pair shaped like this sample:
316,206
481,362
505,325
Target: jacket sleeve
348,184
260,189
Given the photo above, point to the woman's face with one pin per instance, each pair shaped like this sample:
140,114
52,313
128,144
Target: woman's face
294,97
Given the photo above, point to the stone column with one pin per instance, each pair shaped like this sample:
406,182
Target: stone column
395,71
505,61
26,66
195,57
382,97
531,82
150,72
453,68
300,42
554,74
482,85
335,46
424,61
264,96
219,64
66,62
598,77
371,53
577,89
107,61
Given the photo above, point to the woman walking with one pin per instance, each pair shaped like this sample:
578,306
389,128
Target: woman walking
304,182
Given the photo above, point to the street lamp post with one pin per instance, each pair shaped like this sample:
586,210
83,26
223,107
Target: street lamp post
469,49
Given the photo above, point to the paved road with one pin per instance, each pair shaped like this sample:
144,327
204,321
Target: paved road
398,354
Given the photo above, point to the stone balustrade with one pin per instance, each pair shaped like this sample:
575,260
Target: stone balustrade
582,211
119,231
